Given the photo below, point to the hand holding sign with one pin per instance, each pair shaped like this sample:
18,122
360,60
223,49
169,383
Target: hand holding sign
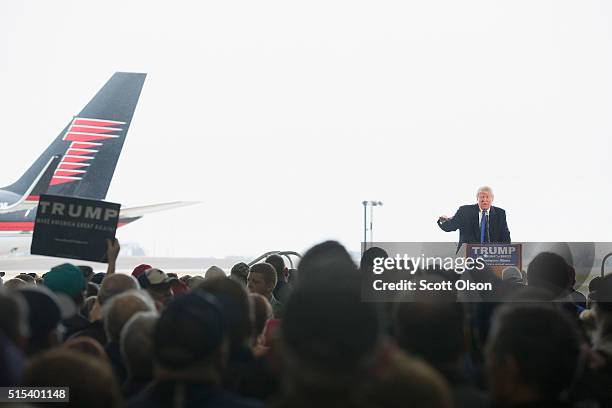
112,252
112,249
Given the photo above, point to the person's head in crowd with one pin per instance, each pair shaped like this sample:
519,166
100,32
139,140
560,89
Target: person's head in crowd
121,308
214,272
157,284
513,275
88,305
602,300
194,281
90,380
190,340
111,286
87,270
368,257
114,285
92,289
98,277
593,285
328,263
185,278
179,288
37,278
262,279
136,345
14,317
408,379
278,263
27,278
574,296
329,337
240,272
86,345
432,326
45,312
138,270
291,276
548,271
14,283
262,312
67,279
532,353
599,320
237,308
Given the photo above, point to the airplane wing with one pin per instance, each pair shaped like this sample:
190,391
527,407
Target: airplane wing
29,199
137,212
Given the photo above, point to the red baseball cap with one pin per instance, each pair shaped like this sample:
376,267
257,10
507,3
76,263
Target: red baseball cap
140,269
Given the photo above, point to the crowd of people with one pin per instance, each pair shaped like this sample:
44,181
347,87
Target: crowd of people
270,335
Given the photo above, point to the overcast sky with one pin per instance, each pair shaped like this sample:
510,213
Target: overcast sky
282,116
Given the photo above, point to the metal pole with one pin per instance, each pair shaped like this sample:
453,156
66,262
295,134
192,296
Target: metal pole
365,226
372,204
603,263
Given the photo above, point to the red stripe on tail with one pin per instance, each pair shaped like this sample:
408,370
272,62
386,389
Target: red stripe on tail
91,129
75,137
70,166
77,159
58,180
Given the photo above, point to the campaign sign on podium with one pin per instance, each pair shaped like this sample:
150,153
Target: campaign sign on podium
76,228
497,256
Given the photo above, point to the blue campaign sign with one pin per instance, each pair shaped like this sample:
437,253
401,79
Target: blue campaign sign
76,228
497,254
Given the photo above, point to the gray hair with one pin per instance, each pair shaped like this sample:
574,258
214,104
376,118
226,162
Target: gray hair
485,189
121,308
114,284
214,272
136,344
194,281
15,283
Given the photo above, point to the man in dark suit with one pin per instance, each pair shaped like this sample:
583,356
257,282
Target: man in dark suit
478,223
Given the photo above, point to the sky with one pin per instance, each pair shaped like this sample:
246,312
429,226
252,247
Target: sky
281,117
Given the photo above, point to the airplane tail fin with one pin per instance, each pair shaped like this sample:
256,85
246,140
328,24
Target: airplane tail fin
91,143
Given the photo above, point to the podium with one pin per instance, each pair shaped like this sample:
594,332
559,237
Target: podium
498,257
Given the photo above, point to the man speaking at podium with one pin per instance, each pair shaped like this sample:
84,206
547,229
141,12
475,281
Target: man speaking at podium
478,223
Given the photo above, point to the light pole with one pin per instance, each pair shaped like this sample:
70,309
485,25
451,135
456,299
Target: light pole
372,205
365,226
365,204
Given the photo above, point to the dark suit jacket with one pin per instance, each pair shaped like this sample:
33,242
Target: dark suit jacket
466,221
